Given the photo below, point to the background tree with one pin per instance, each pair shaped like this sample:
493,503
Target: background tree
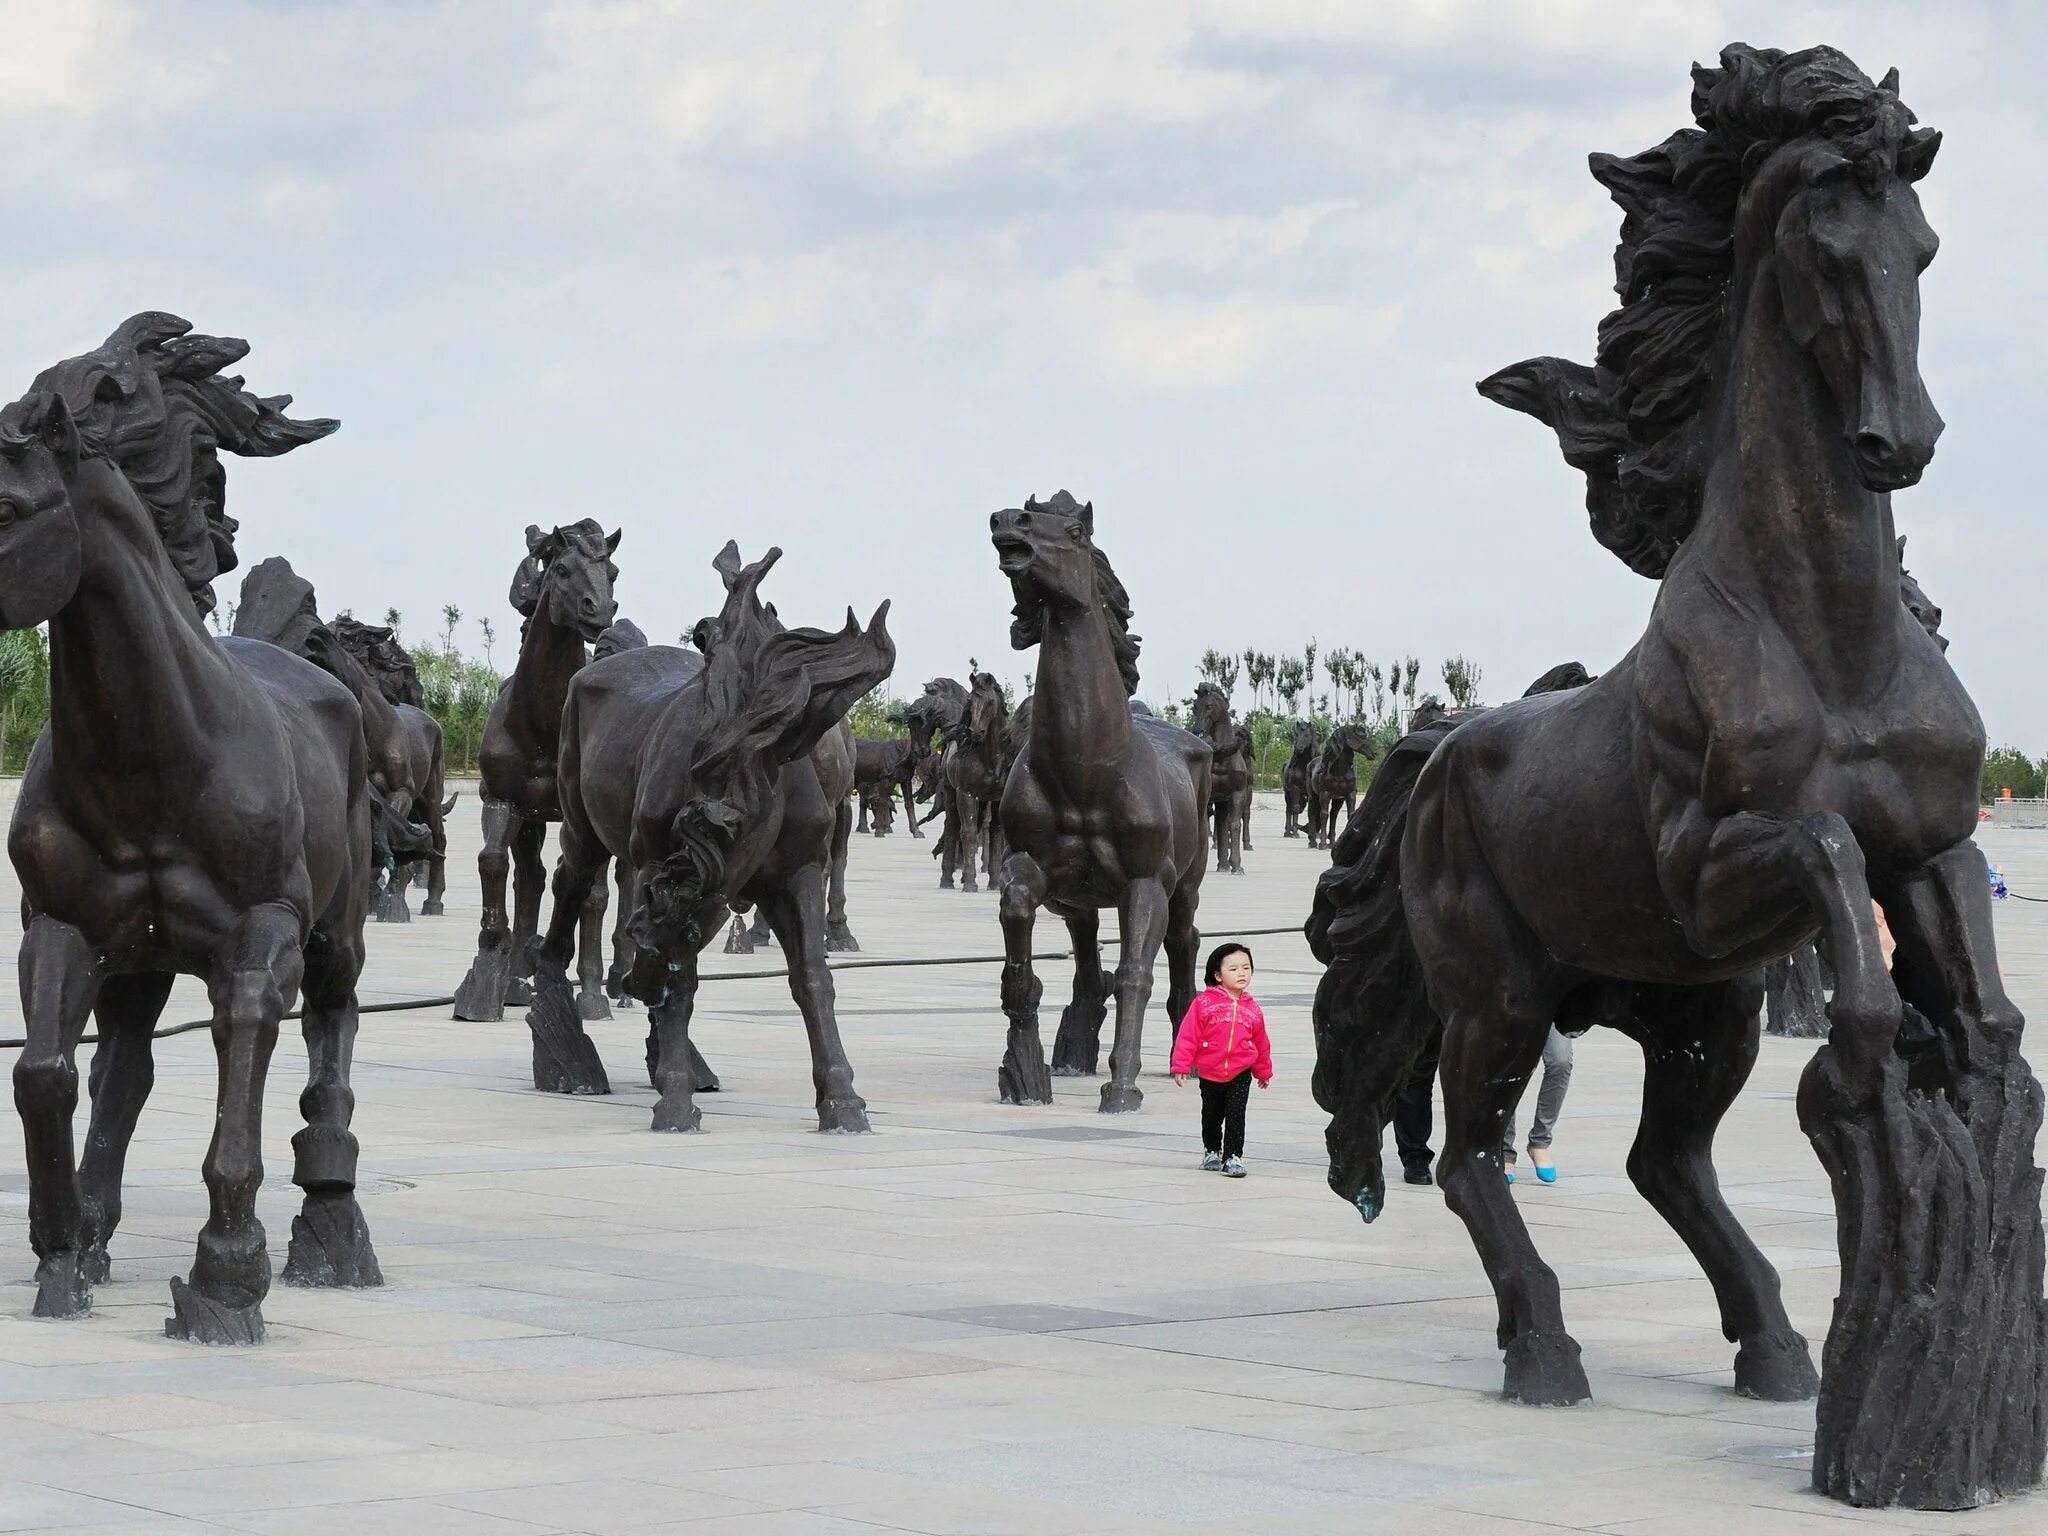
1220,669
1308,664
1461,677
2009,768
392,619
24,693
1290,678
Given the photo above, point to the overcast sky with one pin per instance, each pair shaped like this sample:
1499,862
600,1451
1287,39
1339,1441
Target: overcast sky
847,278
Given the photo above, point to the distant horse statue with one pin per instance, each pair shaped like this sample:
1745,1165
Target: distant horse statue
883,769
1294,778
1784,743
1247,748
722,780
972,766
934,713
196,806
1105,807
277,605
1333,784
564,590
405,748
1229,776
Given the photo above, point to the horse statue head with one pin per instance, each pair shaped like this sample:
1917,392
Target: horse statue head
1794,193
1047,549
1304,740
568,576
983,725
1348,741
766,697
151,400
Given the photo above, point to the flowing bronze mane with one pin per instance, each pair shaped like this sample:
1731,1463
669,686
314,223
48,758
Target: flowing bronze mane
153,400
1027,624
1632,423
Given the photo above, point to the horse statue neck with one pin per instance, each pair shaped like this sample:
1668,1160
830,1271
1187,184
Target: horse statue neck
1083,713
549,656
1785,522
133,672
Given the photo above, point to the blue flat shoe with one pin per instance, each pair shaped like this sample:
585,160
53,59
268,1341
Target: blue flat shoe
1511,1173
1548,1175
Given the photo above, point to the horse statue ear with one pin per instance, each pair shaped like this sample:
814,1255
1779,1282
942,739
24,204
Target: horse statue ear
1916,155
611,545
1088,518
1890,82
60,436
1902,544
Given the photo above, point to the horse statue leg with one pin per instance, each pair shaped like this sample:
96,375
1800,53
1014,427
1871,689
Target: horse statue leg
622,942
564,1059
1078,1045
123,1072
1023,1077
437,830
529,882
1930,1148
907,785
330,1244
481,996
796,911
1183,940
590,998
1142,914
1699,1044
967,811
222,1301
839,938
59,984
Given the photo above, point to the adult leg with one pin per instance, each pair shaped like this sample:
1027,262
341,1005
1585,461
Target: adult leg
1557,1081
123,1071
529,880
1022,1078
59,984
796,911
1699,1044
330,1243
1415,1110
222,1303
590,998
482,993
1078,1045
1487,1060
1143,920
839,938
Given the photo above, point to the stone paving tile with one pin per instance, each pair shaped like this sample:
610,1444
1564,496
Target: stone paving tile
982,1320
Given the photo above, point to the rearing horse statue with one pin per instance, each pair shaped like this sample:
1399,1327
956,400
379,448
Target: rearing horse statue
1783,744
196,806
1230,776
1104,807
564,589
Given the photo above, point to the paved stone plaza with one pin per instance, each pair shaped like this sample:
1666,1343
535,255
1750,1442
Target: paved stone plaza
981,1319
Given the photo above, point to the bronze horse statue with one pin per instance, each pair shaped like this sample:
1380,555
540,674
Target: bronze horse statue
1783,744
1106,806
1333,783
934,713
405,749
885,768
563,588
196,806
973,773
1294,778
723,781
1230,775
1247,748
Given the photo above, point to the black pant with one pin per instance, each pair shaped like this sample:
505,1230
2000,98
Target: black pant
1223,1114
1414,1116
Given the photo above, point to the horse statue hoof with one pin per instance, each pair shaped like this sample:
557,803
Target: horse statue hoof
481,997
738,941
592,1007
1121,1099
198,1319
677,1115
839,940
432,908
843,1113
564,1059
1776,1368
330,1245
62,1289
1543,1370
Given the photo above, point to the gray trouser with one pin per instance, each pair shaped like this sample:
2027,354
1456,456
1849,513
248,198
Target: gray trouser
1557,1076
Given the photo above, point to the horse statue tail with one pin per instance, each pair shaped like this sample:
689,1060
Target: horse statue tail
1372,1014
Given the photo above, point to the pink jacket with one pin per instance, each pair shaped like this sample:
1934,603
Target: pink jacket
1221,1036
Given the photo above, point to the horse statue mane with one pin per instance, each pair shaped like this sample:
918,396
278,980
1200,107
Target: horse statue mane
1028,620
1632,422
152,399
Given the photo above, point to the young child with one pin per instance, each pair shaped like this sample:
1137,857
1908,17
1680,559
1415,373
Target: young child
1223,1041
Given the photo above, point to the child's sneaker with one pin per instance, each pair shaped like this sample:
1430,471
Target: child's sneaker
1212,1162
1233,1167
